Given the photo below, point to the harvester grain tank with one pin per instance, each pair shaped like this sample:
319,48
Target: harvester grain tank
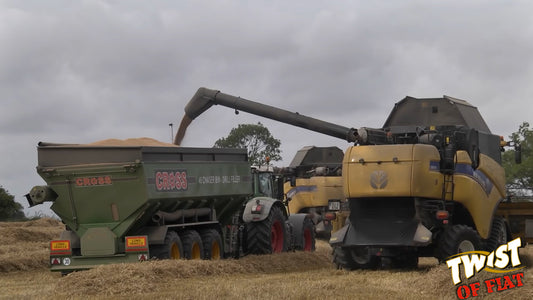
428,183
137,202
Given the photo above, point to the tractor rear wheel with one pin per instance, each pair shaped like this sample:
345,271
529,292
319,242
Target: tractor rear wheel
303,236
458,239
171,249
267,236
212,243
308,236
192,245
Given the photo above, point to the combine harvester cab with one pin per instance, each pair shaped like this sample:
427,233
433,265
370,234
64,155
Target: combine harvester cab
134,203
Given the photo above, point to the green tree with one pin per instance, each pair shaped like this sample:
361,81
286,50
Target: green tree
9,208
257,139
519,177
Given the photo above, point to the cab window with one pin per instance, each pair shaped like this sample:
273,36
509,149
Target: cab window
265,187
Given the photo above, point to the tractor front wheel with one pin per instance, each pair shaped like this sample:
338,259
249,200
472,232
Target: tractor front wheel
269,235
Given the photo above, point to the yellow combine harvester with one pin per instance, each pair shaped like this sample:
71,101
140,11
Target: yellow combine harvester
316,181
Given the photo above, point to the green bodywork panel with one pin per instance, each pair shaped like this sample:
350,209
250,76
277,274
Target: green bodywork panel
105,193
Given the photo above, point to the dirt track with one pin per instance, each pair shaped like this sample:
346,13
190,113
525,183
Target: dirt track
24,274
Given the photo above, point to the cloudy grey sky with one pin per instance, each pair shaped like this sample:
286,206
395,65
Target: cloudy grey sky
83,71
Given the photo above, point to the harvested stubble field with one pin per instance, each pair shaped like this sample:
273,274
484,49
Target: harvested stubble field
24,274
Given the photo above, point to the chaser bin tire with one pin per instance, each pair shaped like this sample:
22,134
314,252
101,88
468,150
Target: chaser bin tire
212,243
192,245
171,249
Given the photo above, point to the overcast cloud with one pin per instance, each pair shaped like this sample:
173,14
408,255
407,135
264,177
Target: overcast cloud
83,71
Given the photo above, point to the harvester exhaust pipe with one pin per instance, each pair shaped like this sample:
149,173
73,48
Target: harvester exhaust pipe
205,98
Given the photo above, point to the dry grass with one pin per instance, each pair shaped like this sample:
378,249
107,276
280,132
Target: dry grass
149,277
24,274
24,245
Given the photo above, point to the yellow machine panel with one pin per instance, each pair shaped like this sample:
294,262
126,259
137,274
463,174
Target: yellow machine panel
392,171
313,192
478,189
412,170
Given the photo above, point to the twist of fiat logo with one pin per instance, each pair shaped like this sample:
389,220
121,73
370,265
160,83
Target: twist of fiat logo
378,180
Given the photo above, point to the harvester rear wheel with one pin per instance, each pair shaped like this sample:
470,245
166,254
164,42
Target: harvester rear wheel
192,245
362,259
269,235
498,234
342,259
212,244
406,261
458,239
351,258
171,249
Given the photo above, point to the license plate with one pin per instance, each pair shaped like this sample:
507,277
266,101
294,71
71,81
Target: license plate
135,242
59,245
334,205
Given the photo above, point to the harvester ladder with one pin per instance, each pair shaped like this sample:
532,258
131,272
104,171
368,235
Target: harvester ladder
448,187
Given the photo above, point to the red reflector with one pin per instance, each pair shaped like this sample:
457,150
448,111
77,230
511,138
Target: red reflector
442,215
257,208
330,216
55,261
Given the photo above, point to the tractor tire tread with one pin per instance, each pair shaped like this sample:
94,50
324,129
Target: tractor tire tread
258,234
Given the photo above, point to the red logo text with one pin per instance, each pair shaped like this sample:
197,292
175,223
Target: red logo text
93,181
171,180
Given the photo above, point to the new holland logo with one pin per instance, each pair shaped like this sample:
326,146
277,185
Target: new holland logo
378,180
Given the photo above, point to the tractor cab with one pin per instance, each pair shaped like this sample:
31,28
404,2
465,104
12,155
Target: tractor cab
267,183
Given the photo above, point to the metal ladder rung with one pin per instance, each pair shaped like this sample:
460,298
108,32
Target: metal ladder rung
448,181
